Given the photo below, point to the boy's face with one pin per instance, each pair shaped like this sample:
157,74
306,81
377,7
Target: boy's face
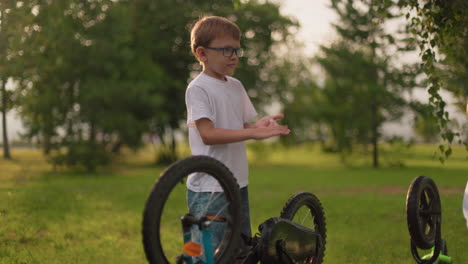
215,63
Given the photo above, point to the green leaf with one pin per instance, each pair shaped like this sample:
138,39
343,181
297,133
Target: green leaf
442,159
237,4
448,152
442,148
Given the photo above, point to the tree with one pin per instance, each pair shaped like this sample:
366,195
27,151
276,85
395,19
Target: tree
363,86
425,123
99,75
13,18
4,109
299,98
440,30
263,28
5,50
90,93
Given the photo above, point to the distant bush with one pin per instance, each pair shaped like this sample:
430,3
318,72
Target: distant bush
81,154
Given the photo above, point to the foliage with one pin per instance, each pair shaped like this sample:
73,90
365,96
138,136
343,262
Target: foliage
11,19
425,123
88,155
265,31
299,100
441,32
85,86
105,73
363,85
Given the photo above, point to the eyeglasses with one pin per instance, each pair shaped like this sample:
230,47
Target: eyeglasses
228,51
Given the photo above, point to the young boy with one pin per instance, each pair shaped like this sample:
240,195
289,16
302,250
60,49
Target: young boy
219,111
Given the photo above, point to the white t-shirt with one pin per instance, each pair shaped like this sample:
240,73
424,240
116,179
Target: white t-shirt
228,106
465,204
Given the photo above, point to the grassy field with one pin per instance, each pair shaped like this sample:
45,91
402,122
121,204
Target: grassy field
74,217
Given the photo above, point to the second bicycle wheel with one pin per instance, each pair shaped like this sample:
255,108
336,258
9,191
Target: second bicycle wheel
305,209
423,211
163,238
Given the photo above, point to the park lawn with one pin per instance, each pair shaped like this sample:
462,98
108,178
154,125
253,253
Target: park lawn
75,217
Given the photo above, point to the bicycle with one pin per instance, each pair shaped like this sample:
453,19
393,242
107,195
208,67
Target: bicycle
297,236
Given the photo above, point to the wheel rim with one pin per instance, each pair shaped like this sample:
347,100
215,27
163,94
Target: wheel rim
163,235
423,209
305,209
171,237
306,216
428,213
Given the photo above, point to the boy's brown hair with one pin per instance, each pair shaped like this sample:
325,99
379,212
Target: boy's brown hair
208,28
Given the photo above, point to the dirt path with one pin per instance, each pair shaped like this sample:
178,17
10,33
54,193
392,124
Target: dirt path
389,190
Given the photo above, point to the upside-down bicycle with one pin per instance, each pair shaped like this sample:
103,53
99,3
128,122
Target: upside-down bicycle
173,234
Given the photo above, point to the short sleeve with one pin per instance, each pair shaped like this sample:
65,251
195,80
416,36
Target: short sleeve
198,104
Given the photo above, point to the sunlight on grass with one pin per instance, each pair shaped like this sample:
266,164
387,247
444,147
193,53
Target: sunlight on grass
25,164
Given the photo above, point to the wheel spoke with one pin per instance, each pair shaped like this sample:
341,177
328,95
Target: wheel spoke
424,203
430,222
307,214
430,206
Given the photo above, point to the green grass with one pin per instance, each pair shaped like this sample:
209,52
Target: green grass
74,217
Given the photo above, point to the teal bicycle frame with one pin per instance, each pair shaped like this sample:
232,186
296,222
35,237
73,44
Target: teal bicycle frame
189,221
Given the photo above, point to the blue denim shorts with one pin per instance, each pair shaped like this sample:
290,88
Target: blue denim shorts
197,202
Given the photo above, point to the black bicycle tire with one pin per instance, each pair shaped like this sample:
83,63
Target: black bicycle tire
161,190
313,203
416,228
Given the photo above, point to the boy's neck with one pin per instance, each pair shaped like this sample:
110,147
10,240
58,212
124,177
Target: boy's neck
216,76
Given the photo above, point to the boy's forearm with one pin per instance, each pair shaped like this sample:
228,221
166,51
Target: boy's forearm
248,125
211,135
217,136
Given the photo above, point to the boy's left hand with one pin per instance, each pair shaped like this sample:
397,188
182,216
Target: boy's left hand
269,121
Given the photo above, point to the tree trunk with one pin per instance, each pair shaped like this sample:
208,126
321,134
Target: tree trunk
4,108
46,141
374,114
375,136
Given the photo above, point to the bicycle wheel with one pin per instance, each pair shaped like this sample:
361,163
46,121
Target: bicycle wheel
423,211
306,210
163,238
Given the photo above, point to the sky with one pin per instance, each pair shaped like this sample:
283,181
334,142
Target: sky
315,18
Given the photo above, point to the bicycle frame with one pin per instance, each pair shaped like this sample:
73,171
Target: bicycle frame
188,221
441,257
436,256
268,249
